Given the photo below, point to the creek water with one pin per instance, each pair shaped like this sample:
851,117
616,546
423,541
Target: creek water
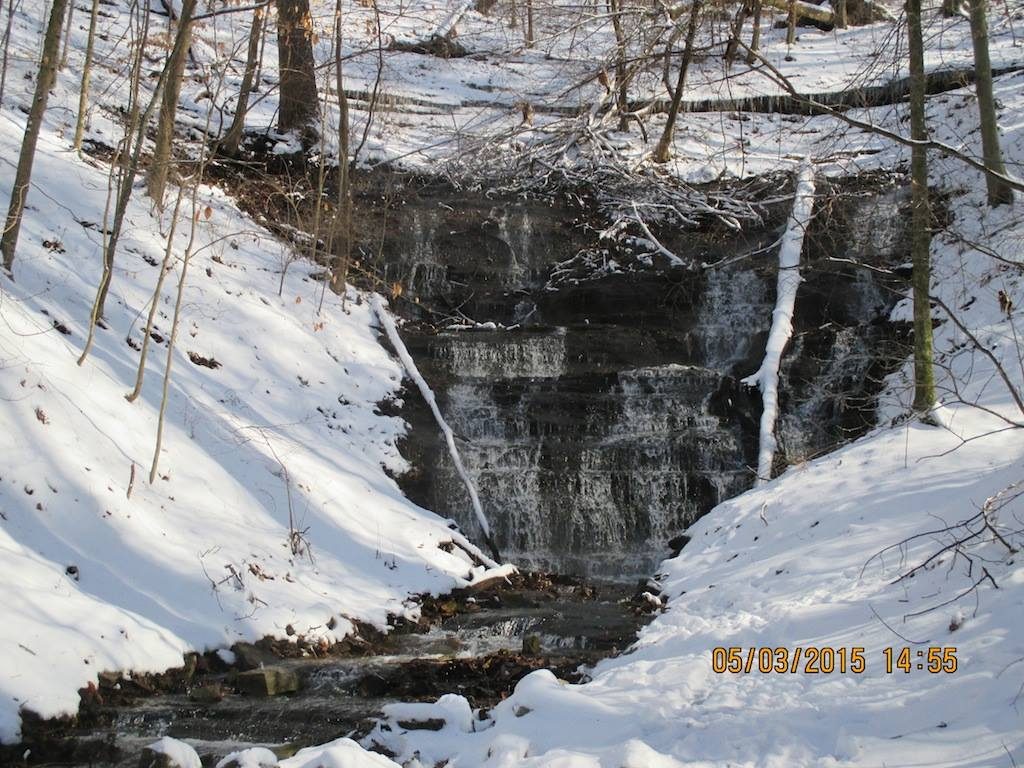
477,650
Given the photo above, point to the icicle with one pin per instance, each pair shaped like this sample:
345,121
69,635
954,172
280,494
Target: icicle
410,367
767,376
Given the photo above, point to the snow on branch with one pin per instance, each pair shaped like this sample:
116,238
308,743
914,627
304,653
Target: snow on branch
410,367
767,376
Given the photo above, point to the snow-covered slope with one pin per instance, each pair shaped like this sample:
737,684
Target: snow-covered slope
281,435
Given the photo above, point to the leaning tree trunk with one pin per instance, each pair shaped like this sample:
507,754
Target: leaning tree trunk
23,176
298,99
156,179
924,371
233,138
661,154
998,191
742,12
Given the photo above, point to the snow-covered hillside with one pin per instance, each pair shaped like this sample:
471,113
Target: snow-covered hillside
272,427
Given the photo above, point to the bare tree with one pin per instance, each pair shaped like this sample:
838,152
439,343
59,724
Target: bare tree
924,371
233,138
154,306
621,86
67,36
998,191
839,8
343,211
5,44
298,98
661,154
156,178
83,93
23,176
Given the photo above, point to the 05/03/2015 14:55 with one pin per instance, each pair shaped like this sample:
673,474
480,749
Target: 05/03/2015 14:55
815,660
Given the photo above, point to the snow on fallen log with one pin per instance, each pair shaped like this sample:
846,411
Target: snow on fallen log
410,367
767,376
453,18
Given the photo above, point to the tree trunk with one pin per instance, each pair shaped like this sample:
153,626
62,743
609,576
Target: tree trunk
128,159
154,305
298,99
83,94
5,44
839,10
998,191
343,212
737,28
791,22
67,36
661,154
755,34
233,138
529,23
156,179
924,371
622,98
23,176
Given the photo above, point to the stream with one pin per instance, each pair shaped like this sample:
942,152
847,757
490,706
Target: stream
478,645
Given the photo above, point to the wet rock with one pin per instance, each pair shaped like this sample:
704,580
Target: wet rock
676,544
250,656
531,645
207,694
430,724
268,681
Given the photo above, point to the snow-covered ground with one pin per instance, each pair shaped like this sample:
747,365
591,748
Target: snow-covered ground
286,426
282,434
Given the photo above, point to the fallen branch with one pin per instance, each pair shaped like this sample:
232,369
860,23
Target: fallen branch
767,376
410,368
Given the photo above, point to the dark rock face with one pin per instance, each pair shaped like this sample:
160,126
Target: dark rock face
613,416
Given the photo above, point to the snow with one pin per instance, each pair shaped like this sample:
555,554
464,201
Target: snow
767,376
341,753
283,430
254,757
814,559
428,396
178,753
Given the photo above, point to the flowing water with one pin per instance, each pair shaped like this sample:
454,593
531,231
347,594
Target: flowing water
476,649
607,415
